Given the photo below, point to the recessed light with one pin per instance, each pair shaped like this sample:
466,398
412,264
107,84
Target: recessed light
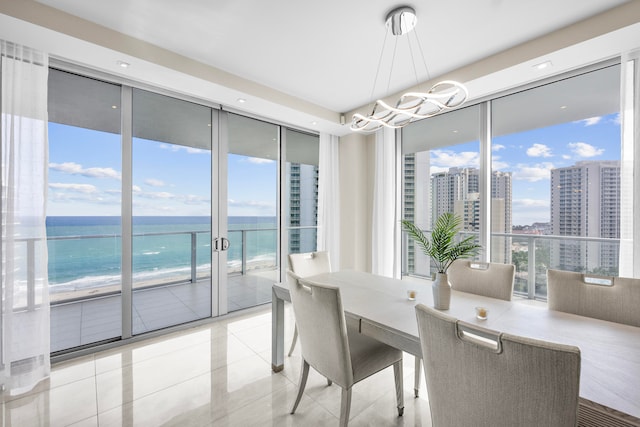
314,123
455,131
543,65
114,106
242,100
123,64
563,107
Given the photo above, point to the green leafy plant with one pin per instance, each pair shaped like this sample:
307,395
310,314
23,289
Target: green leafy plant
442,247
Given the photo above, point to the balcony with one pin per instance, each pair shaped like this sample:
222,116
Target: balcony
90,311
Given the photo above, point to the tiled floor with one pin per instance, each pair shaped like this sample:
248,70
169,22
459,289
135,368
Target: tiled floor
217,374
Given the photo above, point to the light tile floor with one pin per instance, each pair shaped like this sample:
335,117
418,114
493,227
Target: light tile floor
217,374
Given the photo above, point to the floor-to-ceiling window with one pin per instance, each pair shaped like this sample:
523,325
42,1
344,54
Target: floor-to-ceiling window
558,147
83,210
252,211
162,209
552,174
171,211
440,168
301,191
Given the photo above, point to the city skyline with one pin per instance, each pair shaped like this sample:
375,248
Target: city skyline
530,156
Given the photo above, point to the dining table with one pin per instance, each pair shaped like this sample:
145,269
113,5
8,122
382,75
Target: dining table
610,352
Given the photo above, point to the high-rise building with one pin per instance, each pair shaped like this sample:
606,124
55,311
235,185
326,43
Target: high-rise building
427,196
303,207
585,202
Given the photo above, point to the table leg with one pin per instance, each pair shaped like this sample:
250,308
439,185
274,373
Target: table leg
418,373
277,333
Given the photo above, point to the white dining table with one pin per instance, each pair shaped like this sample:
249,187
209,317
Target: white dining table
610,352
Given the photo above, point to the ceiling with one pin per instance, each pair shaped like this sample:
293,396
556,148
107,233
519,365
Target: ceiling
322,54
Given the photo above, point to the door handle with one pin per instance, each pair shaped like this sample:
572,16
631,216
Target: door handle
221,244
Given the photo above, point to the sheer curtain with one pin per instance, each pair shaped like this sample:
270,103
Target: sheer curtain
329,198
630,167
384,206
24,327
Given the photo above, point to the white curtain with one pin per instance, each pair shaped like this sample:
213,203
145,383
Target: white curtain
24,327
384,206
630,170
329,198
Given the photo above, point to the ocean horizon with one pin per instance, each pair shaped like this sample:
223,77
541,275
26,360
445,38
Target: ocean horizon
85,251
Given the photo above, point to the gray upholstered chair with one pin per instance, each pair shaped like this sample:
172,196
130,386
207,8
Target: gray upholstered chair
488,279
305,265
478,377
493,280
334,349
616,299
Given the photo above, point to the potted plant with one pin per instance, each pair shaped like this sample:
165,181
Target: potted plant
443,250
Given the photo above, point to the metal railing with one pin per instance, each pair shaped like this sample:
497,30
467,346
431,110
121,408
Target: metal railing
530,281
239,251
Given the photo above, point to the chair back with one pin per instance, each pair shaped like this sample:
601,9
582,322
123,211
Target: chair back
493,280
616,299
479,377
310,263
322,329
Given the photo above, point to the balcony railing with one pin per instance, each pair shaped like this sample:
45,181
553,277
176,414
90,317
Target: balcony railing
588,255
249,250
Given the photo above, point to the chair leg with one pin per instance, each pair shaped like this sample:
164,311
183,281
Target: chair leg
329,382
304,373
345,407
397,373
294,340
418,374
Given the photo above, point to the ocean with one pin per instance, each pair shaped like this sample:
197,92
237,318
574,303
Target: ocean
84,251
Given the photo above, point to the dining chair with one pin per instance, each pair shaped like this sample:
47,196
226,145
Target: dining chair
305,265
479,377
333,348
494,280
615,299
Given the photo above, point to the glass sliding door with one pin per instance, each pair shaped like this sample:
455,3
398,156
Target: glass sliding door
171,211
83,210
252,186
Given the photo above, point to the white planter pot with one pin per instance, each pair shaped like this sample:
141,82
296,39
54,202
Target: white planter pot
441,292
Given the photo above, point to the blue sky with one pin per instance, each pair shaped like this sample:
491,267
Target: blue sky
85,177
85,171
531,155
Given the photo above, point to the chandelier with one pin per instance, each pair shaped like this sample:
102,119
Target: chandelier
411,106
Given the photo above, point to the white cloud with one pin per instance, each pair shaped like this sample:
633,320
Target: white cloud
582,149
591,121
533,173
531,203
250,203
136,188
497,147
617,120
450,159
539,150
80,188
566,157
72,168
189,150
259,161
498,164
154,182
